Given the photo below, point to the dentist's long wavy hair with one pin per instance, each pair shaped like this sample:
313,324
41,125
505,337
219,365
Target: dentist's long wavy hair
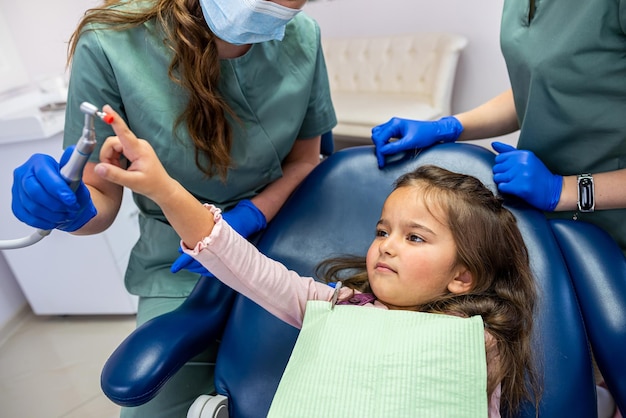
194,65
490,245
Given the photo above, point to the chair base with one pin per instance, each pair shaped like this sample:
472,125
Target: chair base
207,406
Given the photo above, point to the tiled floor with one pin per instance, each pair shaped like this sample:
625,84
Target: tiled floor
50,366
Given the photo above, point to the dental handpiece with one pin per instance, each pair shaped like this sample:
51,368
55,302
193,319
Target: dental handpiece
72,171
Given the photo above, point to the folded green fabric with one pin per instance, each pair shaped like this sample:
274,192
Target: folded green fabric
354,361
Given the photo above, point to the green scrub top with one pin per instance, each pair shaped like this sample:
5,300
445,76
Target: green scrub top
567,65
279,90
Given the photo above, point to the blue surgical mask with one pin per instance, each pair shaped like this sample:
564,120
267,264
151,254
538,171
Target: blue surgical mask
242,22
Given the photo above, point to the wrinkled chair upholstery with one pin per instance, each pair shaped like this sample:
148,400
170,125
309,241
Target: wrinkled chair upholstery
334,212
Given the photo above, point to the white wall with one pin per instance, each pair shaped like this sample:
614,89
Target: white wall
41,31
481,73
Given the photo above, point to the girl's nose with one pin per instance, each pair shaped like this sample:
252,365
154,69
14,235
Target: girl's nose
387,246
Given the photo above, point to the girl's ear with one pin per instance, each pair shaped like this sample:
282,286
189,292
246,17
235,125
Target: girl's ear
462,282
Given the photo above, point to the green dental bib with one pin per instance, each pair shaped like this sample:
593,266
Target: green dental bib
354,361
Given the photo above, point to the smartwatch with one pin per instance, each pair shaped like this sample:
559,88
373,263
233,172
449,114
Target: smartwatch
586,200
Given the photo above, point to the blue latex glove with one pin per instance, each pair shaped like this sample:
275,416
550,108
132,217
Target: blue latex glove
42,198
521,173
412,134
245,218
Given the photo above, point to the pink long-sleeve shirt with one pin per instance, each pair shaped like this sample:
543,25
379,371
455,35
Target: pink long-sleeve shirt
282,292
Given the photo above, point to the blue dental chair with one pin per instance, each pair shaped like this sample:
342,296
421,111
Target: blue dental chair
581,275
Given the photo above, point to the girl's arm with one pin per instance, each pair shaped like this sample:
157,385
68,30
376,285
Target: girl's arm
241,266
225,253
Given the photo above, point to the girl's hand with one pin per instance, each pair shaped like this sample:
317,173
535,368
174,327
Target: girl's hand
145,174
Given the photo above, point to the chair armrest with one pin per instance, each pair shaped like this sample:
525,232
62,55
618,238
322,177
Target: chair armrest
156,350
598,270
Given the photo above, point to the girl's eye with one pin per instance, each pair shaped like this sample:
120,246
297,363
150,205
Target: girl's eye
415,238
381,233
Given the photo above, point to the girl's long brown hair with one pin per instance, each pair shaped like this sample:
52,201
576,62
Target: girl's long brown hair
194,65
490,245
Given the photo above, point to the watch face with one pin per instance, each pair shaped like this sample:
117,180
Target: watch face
585,193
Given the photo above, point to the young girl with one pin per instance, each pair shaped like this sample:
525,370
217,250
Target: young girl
444,244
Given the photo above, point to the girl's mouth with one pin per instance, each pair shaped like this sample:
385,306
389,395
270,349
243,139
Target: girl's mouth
382,267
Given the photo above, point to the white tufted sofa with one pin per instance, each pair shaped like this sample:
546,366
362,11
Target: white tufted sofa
373,79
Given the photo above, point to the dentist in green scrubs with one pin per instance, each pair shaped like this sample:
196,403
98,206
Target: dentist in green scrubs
232,94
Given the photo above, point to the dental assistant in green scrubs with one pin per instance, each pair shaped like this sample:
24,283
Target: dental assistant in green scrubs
567,67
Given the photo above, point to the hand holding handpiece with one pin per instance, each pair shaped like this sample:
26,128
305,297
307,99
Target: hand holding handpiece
43,198
50,195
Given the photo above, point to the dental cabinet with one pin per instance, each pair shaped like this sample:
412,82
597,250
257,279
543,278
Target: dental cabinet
62,274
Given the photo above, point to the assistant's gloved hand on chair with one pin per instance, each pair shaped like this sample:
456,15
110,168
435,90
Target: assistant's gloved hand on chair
412,134
245,218
43,199
521,173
